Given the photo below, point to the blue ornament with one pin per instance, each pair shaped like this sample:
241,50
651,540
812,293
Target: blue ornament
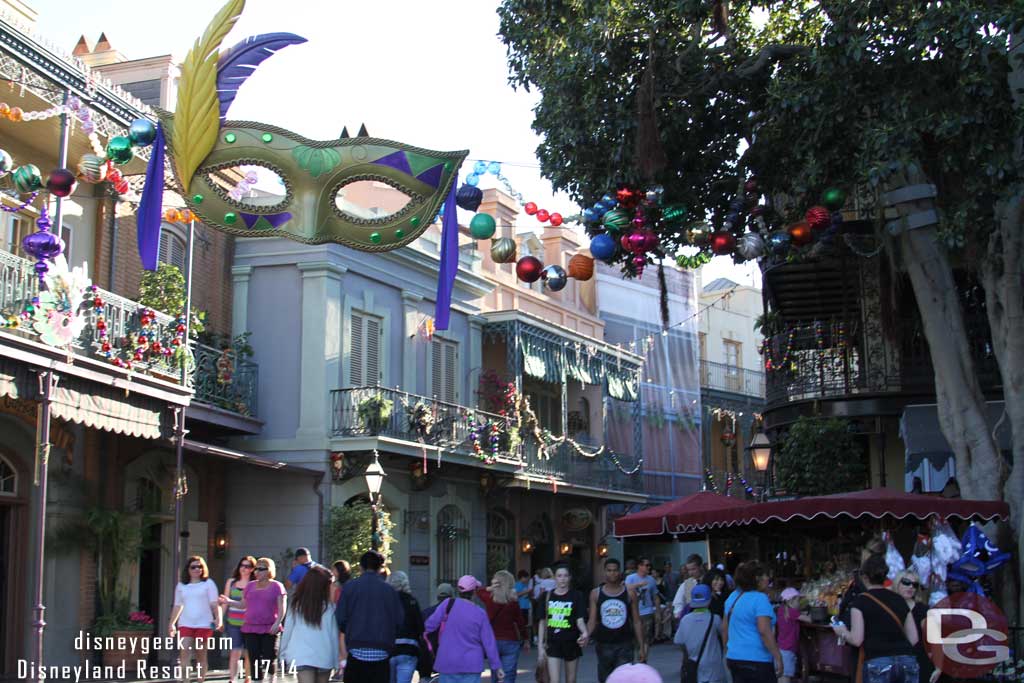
602,246
142,132
778,242
480,167
608,199
494,168
591,215
473,179
469,198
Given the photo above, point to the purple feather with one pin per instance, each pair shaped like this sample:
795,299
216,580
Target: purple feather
237,64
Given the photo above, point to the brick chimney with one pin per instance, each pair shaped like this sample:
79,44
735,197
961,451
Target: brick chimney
81,48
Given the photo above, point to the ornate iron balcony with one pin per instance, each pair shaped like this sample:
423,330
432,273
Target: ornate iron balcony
492,438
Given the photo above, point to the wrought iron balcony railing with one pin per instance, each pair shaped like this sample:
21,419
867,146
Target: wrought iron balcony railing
377,411
218,378
730,378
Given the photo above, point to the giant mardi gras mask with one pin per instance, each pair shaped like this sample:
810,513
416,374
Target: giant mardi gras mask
202,143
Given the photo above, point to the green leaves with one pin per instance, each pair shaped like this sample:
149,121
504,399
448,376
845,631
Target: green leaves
820,457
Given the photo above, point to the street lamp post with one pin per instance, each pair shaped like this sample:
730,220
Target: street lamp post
761,452
374,481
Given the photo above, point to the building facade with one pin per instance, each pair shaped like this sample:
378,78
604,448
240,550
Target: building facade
731,384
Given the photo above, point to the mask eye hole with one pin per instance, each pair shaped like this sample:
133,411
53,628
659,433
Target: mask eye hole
373,200
252,187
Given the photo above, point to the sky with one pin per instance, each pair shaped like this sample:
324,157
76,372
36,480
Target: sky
430,74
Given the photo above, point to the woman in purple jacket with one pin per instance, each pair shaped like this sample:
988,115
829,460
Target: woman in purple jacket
465,638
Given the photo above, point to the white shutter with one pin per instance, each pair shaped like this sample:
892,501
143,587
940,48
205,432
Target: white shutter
355,356
450,355
172,250
436,369
443,370
374,330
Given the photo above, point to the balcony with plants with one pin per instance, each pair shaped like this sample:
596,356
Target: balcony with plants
84,320
510,441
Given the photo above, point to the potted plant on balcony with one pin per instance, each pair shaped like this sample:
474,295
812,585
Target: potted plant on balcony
374,412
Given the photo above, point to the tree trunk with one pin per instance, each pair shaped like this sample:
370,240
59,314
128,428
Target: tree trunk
1003,278
959,400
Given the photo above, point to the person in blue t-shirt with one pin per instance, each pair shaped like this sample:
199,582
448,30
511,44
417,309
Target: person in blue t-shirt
643,586
523,590
752,654
300,565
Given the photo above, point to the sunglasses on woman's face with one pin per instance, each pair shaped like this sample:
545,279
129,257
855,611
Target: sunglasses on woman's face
263,569
908,583
196,566
246,566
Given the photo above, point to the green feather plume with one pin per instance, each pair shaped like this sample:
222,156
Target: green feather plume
197,116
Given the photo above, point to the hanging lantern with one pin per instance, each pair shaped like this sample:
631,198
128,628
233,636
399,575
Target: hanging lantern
503,250
581,267
529,268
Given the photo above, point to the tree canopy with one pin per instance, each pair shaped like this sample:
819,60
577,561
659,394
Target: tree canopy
801,94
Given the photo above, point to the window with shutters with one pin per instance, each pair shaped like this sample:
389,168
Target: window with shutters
172,249
366,337
444,363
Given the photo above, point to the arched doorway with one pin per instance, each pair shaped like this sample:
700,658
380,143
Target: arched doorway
543,555
453,548
501,538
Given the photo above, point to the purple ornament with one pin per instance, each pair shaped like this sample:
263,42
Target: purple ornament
42,245
637,242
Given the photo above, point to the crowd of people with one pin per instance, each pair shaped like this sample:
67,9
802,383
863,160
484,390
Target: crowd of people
323,623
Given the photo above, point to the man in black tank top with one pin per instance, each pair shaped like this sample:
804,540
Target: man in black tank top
614,622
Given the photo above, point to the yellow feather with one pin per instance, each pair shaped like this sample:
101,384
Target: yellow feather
197,115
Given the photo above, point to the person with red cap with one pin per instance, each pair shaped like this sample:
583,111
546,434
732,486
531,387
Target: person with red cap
465,638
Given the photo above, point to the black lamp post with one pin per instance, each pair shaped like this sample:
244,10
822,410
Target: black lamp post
761,453
374,481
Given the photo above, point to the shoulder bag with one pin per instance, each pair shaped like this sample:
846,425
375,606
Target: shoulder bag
860,650
426,656
691,666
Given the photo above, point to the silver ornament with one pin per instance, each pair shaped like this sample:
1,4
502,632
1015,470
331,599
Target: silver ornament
750,246
554,278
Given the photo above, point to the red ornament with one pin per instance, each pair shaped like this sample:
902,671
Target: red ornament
61,182
121,187
628,197
556,220
543,216
624,243
818,217
800,234
529,268
104,347
723,242
530,208
650,240
114,176
101,325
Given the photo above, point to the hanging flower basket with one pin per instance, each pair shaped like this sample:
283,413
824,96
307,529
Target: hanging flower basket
374,412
